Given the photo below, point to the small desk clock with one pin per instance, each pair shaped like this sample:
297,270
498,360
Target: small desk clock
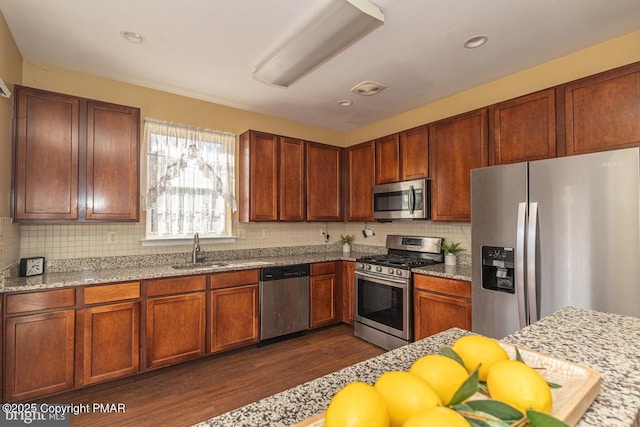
31,266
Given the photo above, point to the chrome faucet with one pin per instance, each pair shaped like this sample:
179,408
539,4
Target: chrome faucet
196,248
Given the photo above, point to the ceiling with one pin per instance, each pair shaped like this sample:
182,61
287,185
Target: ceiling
207,49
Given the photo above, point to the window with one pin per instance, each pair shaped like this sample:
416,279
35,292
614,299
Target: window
190,181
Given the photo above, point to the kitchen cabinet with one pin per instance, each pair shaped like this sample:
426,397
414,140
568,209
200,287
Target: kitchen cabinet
90,150
272,178
323,294
602,112
440,304
456,145
108,332
175,320
234,314
524,128
348,292
360,178
388,159
323,181
39,344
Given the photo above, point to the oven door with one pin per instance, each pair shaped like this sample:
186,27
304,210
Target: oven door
384,303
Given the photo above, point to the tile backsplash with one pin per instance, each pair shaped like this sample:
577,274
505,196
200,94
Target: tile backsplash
62,241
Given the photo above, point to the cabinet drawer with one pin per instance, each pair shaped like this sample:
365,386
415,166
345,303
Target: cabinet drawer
234,278
176,285
108,293
456,288
44,300
323,268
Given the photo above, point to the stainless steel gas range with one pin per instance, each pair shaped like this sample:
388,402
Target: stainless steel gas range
384,291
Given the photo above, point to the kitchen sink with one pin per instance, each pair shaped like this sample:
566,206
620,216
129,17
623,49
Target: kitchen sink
199,265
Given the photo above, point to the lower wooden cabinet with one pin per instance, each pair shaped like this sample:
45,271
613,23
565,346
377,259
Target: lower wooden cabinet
39,351
234,310
440,304
175,323
348,292
322,295
110,341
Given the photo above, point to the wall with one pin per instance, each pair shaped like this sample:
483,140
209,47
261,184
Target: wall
11,73
70,241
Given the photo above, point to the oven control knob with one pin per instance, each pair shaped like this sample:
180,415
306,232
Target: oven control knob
379,269
398,272
360,266
368,267
390,270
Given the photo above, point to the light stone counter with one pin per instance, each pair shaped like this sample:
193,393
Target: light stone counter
608,343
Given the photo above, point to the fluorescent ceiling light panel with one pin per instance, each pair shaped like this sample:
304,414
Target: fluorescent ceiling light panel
339,25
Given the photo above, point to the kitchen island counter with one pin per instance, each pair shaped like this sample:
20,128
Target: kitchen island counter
605,342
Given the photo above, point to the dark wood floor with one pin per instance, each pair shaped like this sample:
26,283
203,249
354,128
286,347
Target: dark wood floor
186,394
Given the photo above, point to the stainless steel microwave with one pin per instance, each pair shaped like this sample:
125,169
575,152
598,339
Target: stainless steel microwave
402,200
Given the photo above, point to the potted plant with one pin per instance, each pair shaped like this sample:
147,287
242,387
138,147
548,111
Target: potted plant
346,242
450,250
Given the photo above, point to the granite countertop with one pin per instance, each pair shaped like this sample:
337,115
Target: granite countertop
605,342
109,272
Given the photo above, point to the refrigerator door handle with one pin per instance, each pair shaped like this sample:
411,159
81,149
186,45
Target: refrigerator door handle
520,251
532,241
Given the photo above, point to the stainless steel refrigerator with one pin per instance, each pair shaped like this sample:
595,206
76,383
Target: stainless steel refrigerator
553,233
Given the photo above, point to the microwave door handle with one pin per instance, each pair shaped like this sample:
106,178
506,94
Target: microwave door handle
412,199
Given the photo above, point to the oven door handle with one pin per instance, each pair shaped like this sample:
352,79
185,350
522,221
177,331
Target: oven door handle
382,280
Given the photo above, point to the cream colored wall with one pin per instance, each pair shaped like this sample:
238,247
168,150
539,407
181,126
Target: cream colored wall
601,57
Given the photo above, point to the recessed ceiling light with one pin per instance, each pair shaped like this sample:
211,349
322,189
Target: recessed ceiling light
368,88
132,37
345,103
475,41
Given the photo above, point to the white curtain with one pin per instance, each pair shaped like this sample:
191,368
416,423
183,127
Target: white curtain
190,179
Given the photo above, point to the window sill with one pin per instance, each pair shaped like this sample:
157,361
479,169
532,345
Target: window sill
187,241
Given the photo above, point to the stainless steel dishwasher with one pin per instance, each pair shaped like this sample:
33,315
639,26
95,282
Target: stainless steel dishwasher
284,300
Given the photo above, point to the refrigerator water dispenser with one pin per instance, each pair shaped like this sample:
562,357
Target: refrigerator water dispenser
498,268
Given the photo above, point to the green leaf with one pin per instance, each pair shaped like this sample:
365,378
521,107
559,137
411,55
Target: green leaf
554,385
466,390
482,388
540,419
496,408
518,355
449,352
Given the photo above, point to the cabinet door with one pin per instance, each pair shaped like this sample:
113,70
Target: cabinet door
234,317
435,313
360,180
111,341
112,162
348,291
456,145
323,300
46,156
39,356
258,166
602,112
388,159
524,128
414,152
175,329
291,182
323,182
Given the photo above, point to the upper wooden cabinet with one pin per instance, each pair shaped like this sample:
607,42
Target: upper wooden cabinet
456,145
360,172
602,112
323,182
272,178
524,128
402,156
388,159
75,159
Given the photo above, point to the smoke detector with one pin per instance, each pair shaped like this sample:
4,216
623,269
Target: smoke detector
368,88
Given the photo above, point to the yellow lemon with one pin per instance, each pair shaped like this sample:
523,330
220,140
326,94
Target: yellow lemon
443,374
357,405
437,417
520,386
476,350
405,394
